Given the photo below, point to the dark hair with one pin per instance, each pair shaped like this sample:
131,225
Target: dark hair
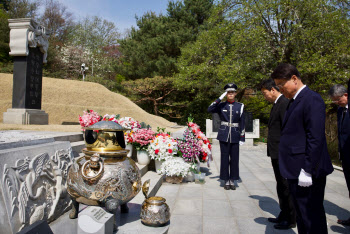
268,84
337,90
285,71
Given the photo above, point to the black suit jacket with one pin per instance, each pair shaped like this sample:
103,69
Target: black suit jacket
275,126
344,134
303,140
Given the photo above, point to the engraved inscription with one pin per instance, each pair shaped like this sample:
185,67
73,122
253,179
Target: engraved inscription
34,86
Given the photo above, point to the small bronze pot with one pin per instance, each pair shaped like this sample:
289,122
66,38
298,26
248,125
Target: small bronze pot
155,212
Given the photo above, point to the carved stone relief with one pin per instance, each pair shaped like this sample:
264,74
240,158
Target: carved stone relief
35,189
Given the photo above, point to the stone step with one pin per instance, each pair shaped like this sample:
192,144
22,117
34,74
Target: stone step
77,147
143,168
155,183
18,144
22,138
72,137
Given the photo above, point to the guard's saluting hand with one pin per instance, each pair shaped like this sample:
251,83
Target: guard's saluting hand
223,95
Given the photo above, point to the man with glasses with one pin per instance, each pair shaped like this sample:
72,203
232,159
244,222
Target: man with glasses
339,96
303,155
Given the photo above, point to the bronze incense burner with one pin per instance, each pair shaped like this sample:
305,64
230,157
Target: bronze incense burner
104,175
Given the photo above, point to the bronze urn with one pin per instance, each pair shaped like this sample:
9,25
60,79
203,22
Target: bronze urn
104,175
154,210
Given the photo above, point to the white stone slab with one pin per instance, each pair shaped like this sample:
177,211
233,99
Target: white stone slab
95,220
249,136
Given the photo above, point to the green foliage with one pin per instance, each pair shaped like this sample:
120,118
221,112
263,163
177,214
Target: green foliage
160,130
250,38
157,95
144,125
6,67
245,41
190,118
21,8
152,50
4,36
333,151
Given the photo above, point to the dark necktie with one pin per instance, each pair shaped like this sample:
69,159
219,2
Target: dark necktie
273,106
344,113
290,103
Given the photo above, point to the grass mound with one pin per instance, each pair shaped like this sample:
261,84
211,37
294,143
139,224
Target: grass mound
65,100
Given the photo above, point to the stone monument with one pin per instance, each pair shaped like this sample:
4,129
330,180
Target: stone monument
28,45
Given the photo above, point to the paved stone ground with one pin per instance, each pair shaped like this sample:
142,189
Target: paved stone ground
208,208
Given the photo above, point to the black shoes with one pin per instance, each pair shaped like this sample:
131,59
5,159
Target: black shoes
344,222
273,220
229,185
284,225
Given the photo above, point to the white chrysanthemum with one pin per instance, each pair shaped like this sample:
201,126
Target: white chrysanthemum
162,148
175,167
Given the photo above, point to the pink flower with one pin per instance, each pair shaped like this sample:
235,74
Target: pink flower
89,118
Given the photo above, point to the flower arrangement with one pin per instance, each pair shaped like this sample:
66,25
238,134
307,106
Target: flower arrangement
129,137
205,147
194,147
175,166
141,138
129,123
162,147
189,148
89,117
113,118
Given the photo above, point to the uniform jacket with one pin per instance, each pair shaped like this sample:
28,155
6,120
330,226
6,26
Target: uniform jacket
230,113
303,142
343,133
275,126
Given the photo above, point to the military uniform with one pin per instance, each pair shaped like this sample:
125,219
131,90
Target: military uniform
231,132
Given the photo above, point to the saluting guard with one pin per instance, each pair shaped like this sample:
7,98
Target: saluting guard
231,134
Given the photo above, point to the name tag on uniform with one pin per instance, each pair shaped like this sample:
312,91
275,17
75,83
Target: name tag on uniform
224,110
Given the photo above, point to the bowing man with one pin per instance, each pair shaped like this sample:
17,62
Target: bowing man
303,155
231,134
339,96
286,218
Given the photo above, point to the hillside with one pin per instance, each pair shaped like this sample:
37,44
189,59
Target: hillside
65,100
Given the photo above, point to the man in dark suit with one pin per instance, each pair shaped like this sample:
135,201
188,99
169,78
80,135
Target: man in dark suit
303,155
286,218
339,96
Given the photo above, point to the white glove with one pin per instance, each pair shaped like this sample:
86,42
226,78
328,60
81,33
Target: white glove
305,179
222,95
241,143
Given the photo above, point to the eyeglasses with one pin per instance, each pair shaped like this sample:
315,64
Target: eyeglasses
280,86
335,100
